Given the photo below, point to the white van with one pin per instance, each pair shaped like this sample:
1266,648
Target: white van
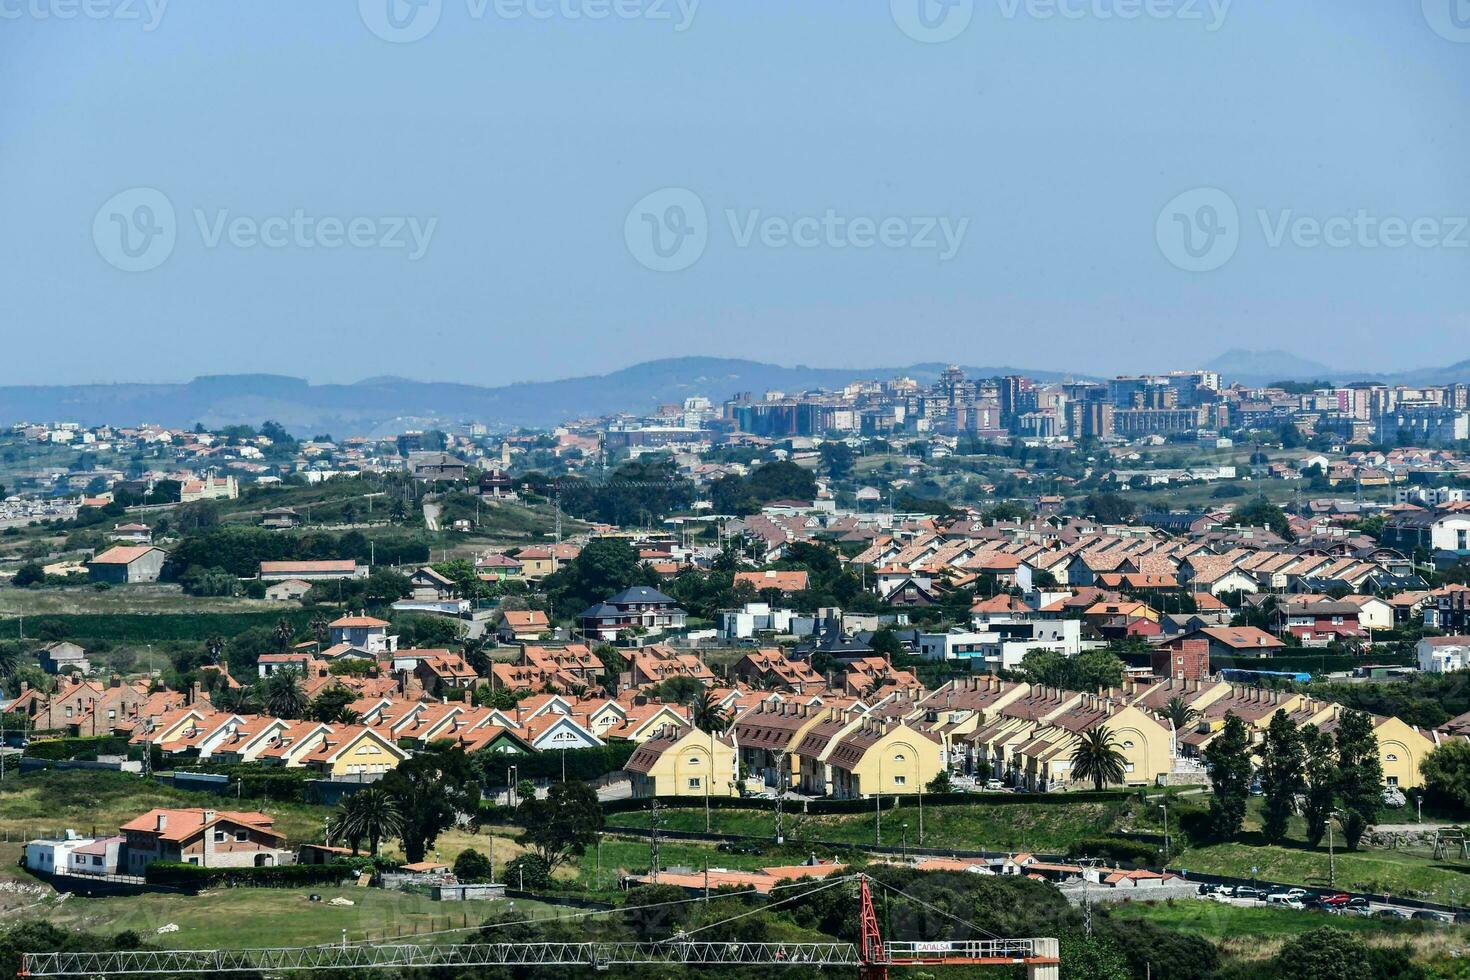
1285,900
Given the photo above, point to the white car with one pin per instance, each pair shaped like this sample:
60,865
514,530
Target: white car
1285,900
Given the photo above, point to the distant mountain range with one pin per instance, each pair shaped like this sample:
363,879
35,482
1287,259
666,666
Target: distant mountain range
388,405
1258,367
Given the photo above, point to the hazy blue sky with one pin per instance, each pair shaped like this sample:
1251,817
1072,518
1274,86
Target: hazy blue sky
1047,141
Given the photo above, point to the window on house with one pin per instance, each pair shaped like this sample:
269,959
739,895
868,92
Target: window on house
900,780
1393,782
242,835
219,836
694,782
1391,758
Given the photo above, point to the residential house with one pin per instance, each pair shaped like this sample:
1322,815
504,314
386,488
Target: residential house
127,564
1443,654
638,609
683,761
522,625
208,838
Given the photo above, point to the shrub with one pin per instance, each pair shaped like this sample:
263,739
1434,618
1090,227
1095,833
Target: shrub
528,871
472,867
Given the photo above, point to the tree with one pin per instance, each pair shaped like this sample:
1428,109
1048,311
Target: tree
940,783
214,648
1262,513
28,575
707,714
472,867
238,700
433,790
1320,781
1109,508
370,813
285,696
527,871
1179,714
1228,759
330,706
1325,952
563,824
1359,776
1282,761
1092,959
1098,758
837,459
1446,773
605,567
283,633
885,643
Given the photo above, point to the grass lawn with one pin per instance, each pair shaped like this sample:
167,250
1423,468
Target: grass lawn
1402,873
1010,826
1257,934
247,917
45,802
158,598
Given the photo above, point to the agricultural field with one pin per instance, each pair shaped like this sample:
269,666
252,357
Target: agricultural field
158,599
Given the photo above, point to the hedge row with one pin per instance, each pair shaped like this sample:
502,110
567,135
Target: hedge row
180,875
827,806
583,765
85,749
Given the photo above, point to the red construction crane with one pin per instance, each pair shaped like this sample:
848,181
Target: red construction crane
873,957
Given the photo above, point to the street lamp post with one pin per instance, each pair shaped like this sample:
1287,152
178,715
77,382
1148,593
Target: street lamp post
1165,808
905,830
1331,853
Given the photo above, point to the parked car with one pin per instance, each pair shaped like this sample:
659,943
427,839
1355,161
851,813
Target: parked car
1391,913
994,784
1284,900
1339,899
1246,891
1429,915
738,847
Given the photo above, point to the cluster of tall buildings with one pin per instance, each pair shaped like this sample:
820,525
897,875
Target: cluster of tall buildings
1126,407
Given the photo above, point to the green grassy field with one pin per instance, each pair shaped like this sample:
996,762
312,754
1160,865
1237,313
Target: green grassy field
249,917
1013,826
156,599
46,802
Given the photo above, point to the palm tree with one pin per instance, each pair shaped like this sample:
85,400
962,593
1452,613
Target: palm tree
283,634
285,697
708,715
1096,757
236,700
9,661
372,813
1178,713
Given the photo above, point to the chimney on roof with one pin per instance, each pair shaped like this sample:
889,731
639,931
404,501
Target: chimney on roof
206,816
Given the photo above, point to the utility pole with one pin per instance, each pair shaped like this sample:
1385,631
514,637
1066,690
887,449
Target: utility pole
1165,808
878,806
781,780
1331,854
653,829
